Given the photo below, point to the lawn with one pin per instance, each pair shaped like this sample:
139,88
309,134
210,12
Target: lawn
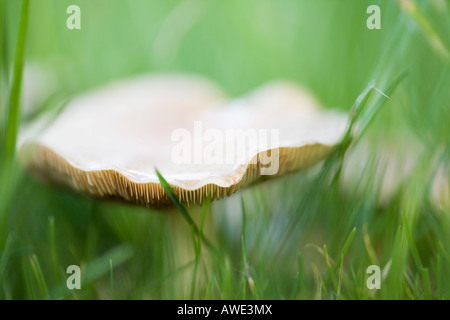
383,197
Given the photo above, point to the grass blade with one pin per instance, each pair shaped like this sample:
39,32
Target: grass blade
299,280
371,112
248,278
111,279
5,257
424,274
39,277
433,37
171,193
14,98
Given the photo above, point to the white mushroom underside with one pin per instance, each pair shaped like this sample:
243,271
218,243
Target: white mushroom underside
126,130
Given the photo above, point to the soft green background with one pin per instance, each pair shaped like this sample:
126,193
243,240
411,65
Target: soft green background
132,252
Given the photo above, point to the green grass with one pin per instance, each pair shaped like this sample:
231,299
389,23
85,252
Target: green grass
308,235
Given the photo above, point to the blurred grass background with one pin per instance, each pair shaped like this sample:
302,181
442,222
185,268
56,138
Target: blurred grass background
296,242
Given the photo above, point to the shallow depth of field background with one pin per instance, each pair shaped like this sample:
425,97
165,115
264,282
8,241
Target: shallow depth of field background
297,242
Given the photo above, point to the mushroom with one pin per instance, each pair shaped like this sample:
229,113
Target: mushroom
107,143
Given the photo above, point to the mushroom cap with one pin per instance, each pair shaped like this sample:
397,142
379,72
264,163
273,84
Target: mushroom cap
107,143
